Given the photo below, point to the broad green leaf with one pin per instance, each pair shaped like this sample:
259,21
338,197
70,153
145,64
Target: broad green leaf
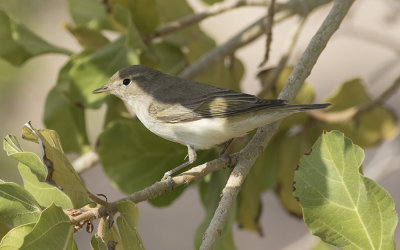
18,43
14,239
210,194
92,71
4,229
127,225
60,107
142,12
60,170
34,174
210,2
122,21
340,205
97,243
290,151
171,58
89,39
89,13
17,206
221,75
52,231
199,43
134,158
372,127
250,205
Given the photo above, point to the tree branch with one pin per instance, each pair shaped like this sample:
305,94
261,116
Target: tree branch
249,34
215,9
273,77
268,31
264,134
86,161
157,188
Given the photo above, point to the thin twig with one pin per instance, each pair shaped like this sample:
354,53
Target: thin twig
158,188
353,112
215,9
249,34
274,75
264,134
268,31
85,161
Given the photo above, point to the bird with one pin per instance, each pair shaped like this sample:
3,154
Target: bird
198,115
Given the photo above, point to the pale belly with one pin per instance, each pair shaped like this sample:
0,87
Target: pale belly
208,132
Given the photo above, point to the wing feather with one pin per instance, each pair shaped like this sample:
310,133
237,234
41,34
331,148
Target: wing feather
223,103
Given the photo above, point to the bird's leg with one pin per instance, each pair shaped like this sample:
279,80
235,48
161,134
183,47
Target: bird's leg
192,157
224,154
226,146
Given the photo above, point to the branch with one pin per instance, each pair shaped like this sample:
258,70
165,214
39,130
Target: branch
249,34
156,189
354,112
273,77
198,17
268,31
86,161
264,134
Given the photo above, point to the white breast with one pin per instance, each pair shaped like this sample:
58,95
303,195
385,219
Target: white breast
204,133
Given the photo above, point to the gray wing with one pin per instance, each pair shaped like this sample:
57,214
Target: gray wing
221,103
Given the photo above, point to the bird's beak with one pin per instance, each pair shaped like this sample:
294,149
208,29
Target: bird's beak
101,90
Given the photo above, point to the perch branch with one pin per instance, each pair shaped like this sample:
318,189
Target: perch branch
157,188
258,143
215,9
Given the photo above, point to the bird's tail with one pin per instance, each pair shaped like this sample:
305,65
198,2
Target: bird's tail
305,107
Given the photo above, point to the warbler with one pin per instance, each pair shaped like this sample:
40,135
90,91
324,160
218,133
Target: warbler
191,113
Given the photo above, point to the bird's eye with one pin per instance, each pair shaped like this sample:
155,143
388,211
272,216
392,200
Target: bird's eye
126,81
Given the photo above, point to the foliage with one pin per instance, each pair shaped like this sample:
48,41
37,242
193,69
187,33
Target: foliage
35,215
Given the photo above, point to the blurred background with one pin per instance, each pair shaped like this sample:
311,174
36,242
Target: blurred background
366,46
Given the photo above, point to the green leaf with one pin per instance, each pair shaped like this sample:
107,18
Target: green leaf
89,13
134,158
17,206
199,43
121,20
372,127
127,225
250,205
18,43
89,39
97,243
224,76
340,205
110,238
52,231
14,239
89,72
171,58
210,2
210,194
34,175
60,170
142,12
60,107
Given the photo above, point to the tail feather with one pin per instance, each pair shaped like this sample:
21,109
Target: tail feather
305,107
